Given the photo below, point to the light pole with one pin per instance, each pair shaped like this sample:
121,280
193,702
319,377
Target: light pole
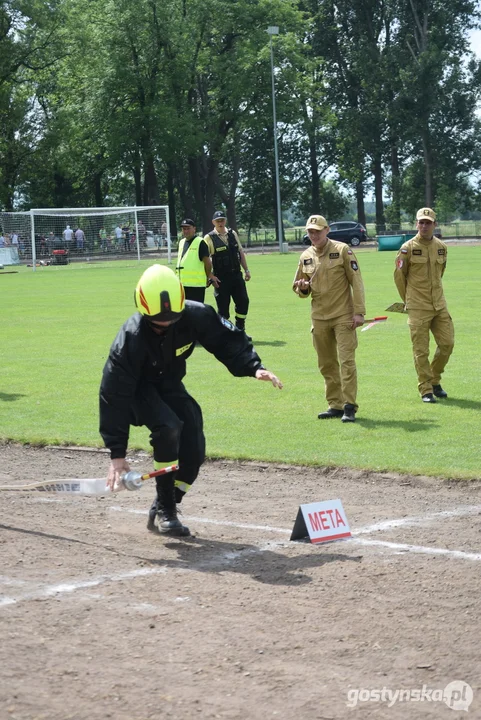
274,30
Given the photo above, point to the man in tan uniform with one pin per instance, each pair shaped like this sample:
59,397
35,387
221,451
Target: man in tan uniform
420,265
328,271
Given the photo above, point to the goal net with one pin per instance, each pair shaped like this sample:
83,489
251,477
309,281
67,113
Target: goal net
55,236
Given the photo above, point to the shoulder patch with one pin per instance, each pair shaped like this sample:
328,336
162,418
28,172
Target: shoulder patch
404,251
441,251
349,252
333,256
354,265
417,252
307,261
400,263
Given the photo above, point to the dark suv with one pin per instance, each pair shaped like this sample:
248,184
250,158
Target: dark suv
352,233
346,231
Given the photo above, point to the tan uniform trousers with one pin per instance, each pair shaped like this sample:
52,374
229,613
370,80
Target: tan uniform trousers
335,343
440,324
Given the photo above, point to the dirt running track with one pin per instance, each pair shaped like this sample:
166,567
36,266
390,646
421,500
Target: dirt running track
100,619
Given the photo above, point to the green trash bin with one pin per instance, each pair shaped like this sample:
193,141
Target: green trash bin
390,242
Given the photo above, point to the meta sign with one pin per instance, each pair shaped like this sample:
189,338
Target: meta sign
321,522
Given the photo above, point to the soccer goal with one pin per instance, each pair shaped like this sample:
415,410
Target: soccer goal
58,236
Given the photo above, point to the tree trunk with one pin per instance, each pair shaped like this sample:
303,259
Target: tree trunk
361,210
137,182
99,196
314,168
428,170
171,198
151,184
229,198
197,191
396,186
377,172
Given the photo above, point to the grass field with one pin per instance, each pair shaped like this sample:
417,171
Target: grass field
58,324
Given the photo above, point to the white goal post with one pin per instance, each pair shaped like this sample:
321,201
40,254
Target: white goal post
56,236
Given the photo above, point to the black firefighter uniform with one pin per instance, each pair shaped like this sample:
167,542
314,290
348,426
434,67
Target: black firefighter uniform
337,293
420,266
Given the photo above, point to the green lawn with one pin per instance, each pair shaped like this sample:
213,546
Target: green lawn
58,323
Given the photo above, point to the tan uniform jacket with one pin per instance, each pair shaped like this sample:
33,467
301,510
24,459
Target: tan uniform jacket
420,266
332,272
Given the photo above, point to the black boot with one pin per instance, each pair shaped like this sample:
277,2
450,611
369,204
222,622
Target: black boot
330,413
349,413
163,513
429,398
439,392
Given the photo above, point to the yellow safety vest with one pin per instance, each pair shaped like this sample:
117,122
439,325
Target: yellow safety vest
190,269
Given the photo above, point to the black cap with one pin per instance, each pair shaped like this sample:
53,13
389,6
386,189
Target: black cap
187,221
219,215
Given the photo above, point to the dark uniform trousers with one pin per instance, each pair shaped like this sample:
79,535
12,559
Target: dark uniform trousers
175,422
232,285
440,324
194,293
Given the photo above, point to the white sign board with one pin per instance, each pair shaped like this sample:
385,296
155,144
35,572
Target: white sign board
321,522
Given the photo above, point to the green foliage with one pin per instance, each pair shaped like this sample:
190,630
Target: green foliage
108,102
59,323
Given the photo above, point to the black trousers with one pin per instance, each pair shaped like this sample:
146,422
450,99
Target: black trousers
232,286
176,427
194,293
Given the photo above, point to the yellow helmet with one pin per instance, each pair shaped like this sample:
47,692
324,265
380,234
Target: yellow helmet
159,294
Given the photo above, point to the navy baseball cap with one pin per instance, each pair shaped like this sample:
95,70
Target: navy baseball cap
219,215
187,221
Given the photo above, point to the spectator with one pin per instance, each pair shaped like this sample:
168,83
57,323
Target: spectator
163,233
156,236
118,236
68,235
80,239
43,246
142,234
103,239
126,236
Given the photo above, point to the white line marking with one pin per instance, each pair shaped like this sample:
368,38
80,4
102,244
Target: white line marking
51,590
422,519
403,547
208,521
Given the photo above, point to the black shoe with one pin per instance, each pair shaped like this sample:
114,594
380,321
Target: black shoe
331,413
429,398
169,524
349,413
165,521
439,392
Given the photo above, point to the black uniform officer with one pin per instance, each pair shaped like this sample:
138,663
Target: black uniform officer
227,259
